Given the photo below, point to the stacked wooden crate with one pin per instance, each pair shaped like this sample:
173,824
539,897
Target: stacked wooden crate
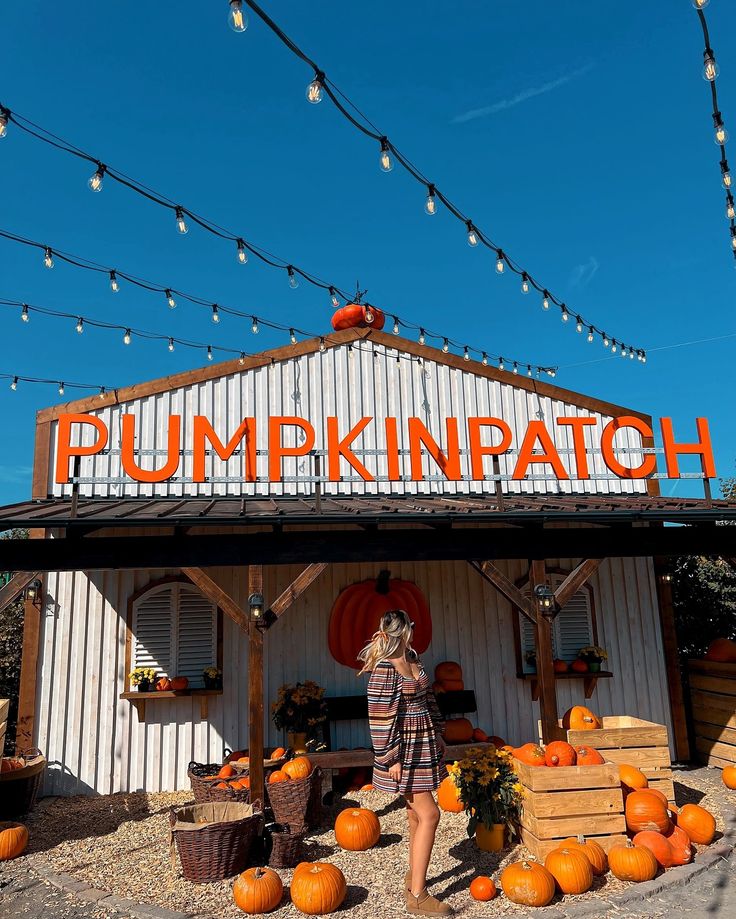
625,739
713,700
569,800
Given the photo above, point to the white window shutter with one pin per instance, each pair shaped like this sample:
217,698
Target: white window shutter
197,634
573,627
153,632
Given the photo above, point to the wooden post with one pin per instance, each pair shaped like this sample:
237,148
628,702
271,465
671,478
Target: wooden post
672,661
545,664
255,692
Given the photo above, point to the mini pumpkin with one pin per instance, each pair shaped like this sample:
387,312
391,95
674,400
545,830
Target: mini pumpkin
298,768
646,812
258,890
698,823
632,863
448,796
729,776
13,840
659,846
527,883
560,666
580,718
458,730
317,888
482,888
571,870
227,771
278,775
587,756
531,754
357,829
593,851
367,787
278,753
179,683
560,753
163,684
499,743
579,666
11,763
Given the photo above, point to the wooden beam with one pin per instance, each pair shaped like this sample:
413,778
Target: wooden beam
503,585
575,580
15,587
24,731
545,657
672,660
297,588
255,693
212,589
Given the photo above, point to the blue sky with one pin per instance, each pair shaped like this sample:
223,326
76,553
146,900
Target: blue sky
579,135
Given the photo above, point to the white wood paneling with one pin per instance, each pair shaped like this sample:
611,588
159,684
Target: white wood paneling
94,742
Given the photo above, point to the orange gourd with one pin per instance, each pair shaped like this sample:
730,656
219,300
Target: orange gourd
593,851
528,883
317,888
632,779
587,756
179,683
357,829
480,736
357,611
257,890
632,863
458,730
560,666
722,650
298,768
659,846
448,797
482,888
278,775
580,718
560,753
13,840
531,754
448,670
453,685
729,776
358,316
163,684
278,753
571,870
579,666
682,850
698,823
646,812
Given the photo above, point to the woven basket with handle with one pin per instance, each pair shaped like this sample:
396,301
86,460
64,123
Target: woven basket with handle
297,802
205,787
19,788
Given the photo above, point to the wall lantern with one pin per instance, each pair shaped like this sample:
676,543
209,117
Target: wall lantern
33,591
255,602
545,599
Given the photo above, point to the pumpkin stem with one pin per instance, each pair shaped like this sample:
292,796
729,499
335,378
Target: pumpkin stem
581,839
382,582
258,873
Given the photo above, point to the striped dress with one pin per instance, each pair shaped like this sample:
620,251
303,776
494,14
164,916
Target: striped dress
404,722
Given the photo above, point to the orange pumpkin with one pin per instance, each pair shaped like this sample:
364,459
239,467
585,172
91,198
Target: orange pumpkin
453,685
278,753
227,771
179,683
222,785
593,851
729,776
298,768
579,666
560,666
580,718
258,890
482,888
587,756
571,870
448,796
632,863
723,650
499,743
698,823
657,794
528,883
531,754
646,812
480,736
358,316
632,779
682,850
163,684
357,611
278,775
357,829
13,840
448,670
508,748
368,787
560,753
317,888
659,846
458,730
11,763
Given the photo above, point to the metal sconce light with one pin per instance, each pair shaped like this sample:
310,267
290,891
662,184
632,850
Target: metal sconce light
545,599
255,602
33,591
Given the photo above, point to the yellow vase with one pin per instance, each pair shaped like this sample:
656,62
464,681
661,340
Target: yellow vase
490,839
297,741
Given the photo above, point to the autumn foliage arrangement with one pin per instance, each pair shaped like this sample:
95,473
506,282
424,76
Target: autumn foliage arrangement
299,708
488,788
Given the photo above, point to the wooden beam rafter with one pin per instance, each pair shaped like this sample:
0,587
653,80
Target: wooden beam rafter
575,580
210,588
15,587
507,588
297,587
255,692
545,657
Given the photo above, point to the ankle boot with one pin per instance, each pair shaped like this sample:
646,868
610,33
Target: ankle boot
426,905
407,880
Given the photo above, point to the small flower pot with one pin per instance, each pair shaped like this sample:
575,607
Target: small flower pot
594,666
144,686
297,741
490,839
213,682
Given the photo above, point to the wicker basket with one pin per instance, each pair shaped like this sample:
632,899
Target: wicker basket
19,788
297,803
205,791
284,847
214,840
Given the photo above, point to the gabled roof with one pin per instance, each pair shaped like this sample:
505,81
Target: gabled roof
333,340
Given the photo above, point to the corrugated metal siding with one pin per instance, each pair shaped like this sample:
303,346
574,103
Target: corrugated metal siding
348,383
94,742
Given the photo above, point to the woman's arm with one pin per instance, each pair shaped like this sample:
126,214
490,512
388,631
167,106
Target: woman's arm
435,714
384,699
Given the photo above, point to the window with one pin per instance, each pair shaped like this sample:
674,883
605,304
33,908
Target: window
572,629
174,630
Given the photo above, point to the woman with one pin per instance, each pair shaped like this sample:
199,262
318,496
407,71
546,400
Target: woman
406,731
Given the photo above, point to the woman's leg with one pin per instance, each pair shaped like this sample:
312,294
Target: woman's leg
428,816
413,821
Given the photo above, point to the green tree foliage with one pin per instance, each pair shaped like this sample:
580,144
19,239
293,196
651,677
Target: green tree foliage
704,596
11,646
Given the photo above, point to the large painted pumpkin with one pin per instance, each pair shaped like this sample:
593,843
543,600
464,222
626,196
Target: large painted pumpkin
458,730
358,609
448,797
698,823
528,883
722,650
257,890
357,829
580,718
357,316
317,888
13,840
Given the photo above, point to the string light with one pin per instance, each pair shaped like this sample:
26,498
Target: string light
61,388
215,313
3,121
545,300
242,253
181,224
500,262
293,280
14,384
114,286
472,235
58,384
710,67
484,359
80,325
445,346
565,315
396,328
241,359
725,174
333,298
236,18
103,392
24,315
614,347
48,258
384,158
515,369
127,337
606,342
501,364
525,283
430,205
322,346
578,324
721,134
315,89
95,181
528,370
422,337
209,352
591,335
254,325
171,344
369,317
170,299
466,354
292,336
730,211
700,4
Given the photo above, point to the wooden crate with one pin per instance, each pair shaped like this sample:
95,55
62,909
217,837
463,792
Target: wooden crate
569,800
713,705
625,739
4,708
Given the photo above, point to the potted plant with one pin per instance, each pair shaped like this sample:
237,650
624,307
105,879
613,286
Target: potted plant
212,678
299,710
593,656
491,794
531,658
143,678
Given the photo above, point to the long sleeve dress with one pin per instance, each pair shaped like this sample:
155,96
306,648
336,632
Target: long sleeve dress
404,722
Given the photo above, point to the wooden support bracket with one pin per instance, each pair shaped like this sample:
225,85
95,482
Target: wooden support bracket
297,587
575,580
223,600
504,586
15,587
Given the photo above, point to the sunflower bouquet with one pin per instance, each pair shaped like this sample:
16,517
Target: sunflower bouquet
299,708
488,788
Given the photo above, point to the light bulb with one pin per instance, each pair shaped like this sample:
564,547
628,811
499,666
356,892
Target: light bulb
102,392
236,18
484,359
528,370
430,205
515,368
322,346
725,174
215,313
643,357
126,337
545,301
241,359
3,123
315,89
24,314
48,258
254,325
614,347
606,342
552,372
445,346
61,389
169,299
114,286
369,317
384,157
591,336
501,364
579,324
14,384
95,181
524,284
181,224
422,337
710,67
565,315
293,280
700,4
242,252
500,263
472,235
631,354
396,329
80,325
721,134
333,297
623,351
171,344
209,352
292,336
733,241
730,210
466,354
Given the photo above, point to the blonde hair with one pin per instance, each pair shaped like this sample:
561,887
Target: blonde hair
394,630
